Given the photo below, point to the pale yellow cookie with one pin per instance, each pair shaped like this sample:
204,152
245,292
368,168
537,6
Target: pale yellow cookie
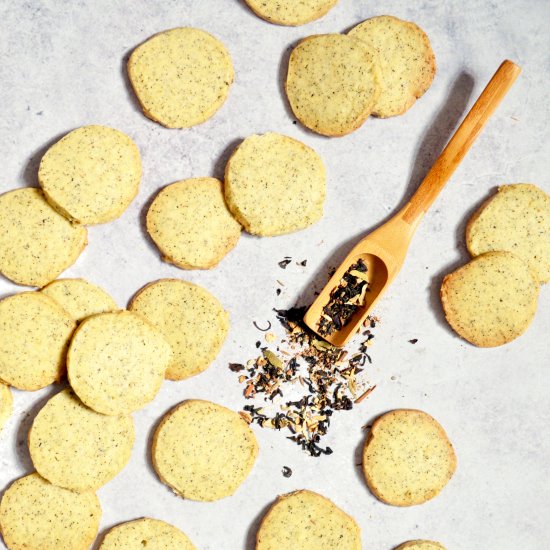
420,545
190,318
36,242
405,59
6,404
291,12
516,219
91,175
332,83
203,451
181,77
407,458
190,223
275,184
34,335
75,447
79,298
491,300
304,520
36,515
117,361
148,533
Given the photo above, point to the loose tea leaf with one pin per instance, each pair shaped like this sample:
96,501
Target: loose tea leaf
318,377
345,299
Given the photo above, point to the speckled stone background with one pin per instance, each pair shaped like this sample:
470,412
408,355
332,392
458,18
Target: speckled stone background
63,65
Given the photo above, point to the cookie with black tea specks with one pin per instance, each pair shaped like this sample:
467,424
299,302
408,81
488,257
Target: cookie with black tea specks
275,184
73,446
181,76
34,335
491,300
405,60
36,242
305,520
407,458
145,532
191,319
332,83
36,515
203,451
291,12
191,225
117,361
91,175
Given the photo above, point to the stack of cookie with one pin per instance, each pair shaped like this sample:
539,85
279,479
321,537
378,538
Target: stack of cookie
493,299
380,68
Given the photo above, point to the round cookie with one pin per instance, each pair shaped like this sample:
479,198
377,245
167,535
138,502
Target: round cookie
75,447
34,335
36,515
189,317
491,300
191,225
79,298
304,520
407,458
405,59
291,12
420,545
6,404
36,242
332,83
275,184
181,77
203,451
517,220
91,175
145,532
116,362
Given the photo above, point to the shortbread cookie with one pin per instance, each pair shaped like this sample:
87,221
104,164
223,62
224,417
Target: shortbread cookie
191,224
6,404
407,458
146,533
117,362
190,318
516,219
291,12
203,451
181,77
34,335
420,545
491,300
79,298
405,58
91,175
36,515
75,447
36,242
275,184
332,83
304,520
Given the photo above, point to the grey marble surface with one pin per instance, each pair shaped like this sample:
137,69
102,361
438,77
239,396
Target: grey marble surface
62,66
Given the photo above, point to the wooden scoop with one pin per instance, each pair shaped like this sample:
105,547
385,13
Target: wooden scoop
384,250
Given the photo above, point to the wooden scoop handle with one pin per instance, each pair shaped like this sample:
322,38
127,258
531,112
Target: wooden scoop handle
461,142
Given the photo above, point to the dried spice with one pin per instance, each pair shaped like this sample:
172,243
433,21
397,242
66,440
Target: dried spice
287,472
263,329
299,383
413,341
285,262
345,299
